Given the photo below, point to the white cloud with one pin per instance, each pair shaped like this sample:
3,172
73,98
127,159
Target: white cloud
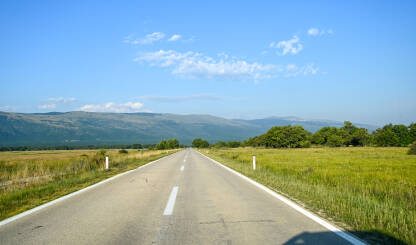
62,100
175,37
148,39
313,31
291,46
195,65
294,71
316,32
194,97
47,106
114,107
8,108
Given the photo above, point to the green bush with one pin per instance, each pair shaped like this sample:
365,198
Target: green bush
286,137
234,144
98,158
220,144
123,151
200,143
412,149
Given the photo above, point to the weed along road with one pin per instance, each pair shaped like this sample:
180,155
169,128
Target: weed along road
184,198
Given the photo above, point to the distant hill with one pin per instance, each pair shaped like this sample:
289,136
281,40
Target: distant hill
92,128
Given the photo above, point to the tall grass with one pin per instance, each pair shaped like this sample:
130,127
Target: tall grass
371,191
28,180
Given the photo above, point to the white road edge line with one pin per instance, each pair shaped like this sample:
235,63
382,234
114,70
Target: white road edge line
182,168
45,205
171,202
298,208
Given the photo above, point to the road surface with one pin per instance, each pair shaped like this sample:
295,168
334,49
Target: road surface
182,199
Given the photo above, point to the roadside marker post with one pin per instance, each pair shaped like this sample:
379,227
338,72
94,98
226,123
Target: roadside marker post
106,162
254,162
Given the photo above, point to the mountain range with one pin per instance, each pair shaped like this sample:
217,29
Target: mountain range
93,128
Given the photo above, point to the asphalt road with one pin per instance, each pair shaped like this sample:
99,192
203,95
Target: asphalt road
183,199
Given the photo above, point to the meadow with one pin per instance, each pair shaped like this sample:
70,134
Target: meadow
30,178
368,191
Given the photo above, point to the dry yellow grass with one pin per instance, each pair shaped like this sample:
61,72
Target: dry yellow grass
28,179
371,189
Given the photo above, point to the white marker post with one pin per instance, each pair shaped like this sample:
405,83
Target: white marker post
254,162
106,162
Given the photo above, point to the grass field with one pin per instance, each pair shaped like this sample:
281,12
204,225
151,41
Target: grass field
368,191
30,178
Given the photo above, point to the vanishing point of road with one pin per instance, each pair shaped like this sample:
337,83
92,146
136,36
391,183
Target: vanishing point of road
184,198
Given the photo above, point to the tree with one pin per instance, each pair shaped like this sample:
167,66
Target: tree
332,136
286,136
412,131
412,149
200,143
335,140
172,144
233,144
220,144
349,128
162,145
256,141
403,134
136,146
360,137
385,136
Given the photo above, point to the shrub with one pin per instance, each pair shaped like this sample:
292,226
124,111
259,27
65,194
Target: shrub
172,144
335,141
233,144
123,151
305,144
200,143
98,158
162,145
412,149
286,136
220,144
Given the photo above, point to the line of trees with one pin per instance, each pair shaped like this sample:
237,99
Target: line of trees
168,144
347,135
72,147
200,143
162,145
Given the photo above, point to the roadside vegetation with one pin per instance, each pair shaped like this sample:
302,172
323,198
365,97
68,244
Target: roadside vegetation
371,190
30,178
365,181
167,144
348,135
412,149
73,147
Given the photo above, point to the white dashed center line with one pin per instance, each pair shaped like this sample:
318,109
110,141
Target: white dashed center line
171,202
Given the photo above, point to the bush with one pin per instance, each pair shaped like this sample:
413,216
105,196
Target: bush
286,136
172,144
335,141
412,149
200,143
98,158
234,144
123,151
220,144
305,144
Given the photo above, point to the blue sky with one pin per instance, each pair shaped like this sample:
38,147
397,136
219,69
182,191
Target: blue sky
350,60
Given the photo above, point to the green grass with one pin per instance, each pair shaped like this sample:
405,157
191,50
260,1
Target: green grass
29,179
369,191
